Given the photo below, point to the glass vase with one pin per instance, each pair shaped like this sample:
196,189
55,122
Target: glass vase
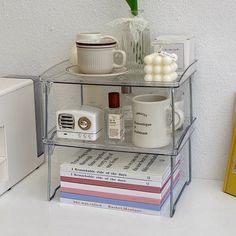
135,41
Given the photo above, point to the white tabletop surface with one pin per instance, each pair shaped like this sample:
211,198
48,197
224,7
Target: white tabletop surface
202,210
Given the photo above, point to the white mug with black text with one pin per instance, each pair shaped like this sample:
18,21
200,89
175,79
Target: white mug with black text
152,120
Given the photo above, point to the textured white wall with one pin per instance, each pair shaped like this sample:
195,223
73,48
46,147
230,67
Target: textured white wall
36,34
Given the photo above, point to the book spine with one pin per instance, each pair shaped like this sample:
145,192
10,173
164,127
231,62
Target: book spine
69,188
108,206
119,196
112,184
146,206
137,187
107,178
72,172
113,195
91,170
102,189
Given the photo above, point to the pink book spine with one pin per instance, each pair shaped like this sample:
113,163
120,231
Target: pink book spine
113,195
157,200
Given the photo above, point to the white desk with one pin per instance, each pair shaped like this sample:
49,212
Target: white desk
202,210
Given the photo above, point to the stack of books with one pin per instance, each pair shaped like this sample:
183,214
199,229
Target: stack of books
121,181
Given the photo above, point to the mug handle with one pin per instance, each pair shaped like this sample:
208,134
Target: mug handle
123,59
180,114
180,118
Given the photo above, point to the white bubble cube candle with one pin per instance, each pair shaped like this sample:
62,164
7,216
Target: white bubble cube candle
160,66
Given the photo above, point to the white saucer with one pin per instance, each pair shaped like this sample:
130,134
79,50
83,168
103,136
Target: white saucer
74,70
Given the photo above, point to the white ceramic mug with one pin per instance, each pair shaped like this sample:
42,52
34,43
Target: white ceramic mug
152,120
87,37
98,58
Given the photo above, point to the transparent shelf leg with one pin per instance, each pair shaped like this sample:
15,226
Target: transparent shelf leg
48,149
49,153
191,120
173,116
184,178
46,90
172,208
188,158
190,161
51,192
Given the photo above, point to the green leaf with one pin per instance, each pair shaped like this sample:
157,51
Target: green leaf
133,6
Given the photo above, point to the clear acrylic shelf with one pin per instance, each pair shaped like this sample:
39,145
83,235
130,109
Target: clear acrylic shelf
180,139
58,74
127,146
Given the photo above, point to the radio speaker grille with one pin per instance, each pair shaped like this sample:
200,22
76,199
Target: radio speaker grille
66,121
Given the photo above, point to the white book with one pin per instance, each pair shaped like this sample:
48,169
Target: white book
119,180
107,178
114,164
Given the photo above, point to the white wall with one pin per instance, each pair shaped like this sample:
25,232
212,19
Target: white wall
36,34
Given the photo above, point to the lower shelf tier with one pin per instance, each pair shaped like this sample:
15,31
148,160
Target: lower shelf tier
127,182
181,136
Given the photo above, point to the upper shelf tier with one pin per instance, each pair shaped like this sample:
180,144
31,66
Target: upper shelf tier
58,74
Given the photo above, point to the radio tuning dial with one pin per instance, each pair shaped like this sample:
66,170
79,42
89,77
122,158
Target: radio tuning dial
84,123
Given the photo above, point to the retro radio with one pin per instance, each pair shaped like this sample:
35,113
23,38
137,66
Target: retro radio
83,124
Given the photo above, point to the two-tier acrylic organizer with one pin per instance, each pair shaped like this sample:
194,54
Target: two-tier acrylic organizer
63,90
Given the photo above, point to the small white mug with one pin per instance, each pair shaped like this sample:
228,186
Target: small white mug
98,58
87,37
152,120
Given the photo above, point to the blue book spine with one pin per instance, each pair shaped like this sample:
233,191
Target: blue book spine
146,206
